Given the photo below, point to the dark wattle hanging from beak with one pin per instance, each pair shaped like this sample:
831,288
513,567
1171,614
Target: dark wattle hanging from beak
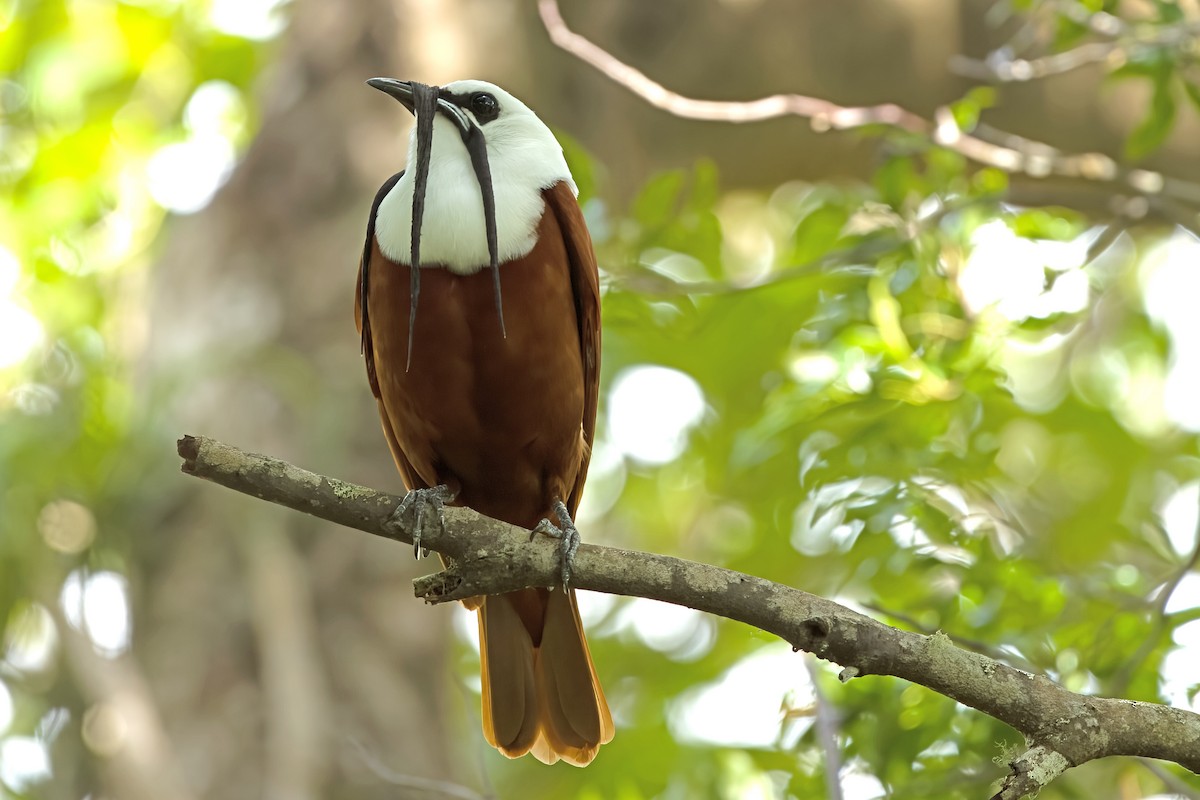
477,147
425,103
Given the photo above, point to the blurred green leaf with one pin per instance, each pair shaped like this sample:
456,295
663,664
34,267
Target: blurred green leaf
658,199
818,232
967,110
1155,126
1169,11
898,181
1192,90
583,167
1056,224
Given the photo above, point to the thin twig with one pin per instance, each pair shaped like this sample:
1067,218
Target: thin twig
1171,782
427,786
1158,614
828,724
1002,67
1119,41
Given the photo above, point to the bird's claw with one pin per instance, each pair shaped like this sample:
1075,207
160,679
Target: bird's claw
417,506
567,535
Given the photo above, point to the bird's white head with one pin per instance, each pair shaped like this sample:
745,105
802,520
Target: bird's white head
521,155
518,143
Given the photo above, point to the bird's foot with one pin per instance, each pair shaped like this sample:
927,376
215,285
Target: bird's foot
567,535
419,507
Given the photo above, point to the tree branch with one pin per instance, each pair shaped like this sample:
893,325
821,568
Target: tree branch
983,145
1002,66
491,557
1118,42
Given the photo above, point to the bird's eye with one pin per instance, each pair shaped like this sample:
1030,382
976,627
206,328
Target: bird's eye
484,106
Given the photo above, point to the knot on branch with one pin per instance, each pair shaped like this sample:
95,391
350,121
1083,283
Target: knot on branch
440,587
1030,772
817,629
504,566
814,635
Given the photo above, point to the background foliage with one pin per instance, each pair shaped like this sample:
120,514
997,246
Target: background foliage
959,397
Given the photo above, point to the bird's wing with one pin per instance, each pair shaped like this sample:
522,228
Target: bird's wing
362,321
585,284
361,317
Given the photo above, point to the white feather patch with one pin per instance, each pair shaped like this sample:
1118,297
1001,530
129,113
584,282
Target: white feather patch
525,159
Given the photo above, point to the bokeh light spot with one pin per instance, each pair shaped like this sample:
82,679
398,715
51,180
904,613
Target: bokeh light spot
67,526
98,605
650,411
755,686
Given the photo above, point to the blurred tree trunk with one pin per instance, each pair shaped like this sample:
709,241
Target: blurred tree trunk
287,656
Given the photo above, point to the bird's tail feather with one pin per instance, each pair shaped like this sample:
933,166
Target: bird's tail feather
540,692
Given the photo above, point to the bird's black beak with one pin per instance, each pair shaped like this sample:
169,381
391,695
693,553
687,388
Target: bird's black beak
403,92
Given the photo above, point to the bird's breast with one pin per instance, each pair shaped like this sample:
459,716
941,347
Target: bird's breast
453,234
496,413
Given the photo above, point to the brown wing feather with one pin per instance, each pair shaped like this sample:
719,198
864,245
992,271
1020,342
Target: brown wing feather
585,282
365,335
407,474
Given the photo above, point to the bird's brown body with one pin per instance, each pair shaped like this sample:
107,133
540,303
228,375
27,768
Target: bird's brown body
506,422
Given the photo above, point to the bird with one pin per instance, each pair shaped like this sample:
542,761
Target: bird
478,308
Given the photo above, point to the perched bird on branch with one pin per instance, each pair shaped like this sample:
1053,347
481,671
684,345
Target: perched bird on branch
478,304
